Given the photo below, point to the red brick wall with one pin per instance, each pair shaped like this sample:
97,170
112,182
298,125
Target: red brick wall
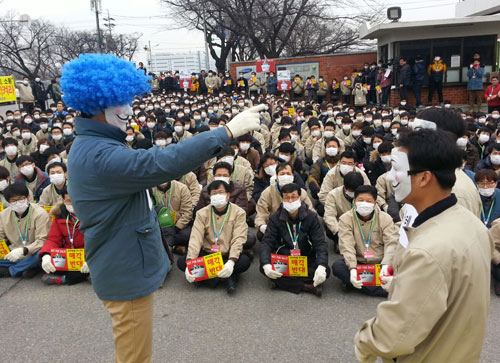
330,66
456,94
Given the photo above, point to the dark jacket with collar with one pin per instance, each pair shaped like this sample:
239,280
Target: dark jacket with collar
311,240
238,196
108,189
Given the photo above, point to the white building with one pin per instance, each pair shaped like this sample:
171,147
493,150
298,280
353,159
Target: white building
189,62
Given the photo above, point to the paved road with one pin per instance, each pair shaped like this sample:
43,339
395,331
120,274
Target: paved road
68,323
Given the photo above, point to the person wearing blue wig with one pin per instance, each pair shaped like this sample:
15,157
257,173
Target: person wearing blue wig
109,183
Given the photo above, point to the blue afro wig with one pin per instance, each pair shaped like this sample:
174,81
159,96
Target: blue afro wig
94,82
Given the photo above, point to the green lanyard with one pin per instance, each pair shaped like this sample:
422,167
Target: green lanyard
71,235
279,193
170,196
217,235
327,164
296,238
486,220
25,238
365,241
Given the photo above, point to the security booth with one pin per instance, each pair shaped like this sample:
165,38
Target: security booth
455,40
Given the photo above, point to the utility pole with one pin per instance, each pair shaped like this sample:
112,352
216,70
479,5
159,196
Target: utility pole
110,26
95,5
205,36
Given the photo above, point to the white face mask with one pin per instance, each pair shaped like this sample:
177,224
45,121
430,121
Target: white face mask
161,143
16,133
386,125
495,159
294,138
28,120
367,140
285,158
349,194
178,129
284,180
376,145
244,146
26,135
27,170
118,116
329,134
394,132
11,150
270,170
377,122
67,132
3,184
364,208
227,159
486,192
386,159
130,138
57,179
44,126
345,169
223,178
142,118
187,127
356,133
292,207
482,120
462,142
218,200
57,137
346,127
151,125
398,175
495,116
483,138
331,151
316,133
20,206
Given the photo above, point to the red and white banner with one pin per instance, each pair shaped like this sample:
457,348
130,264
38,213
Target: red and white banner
185,80
284,83
265,65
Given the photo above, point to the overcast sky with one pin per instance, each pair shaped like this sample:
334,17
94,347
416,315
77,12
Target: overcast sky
148,17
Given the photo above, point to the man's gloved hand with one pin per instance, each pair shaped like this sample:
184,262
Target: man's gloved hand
319,276
363,358
85,269
386,276
189,277
246,121
15,255
354,279
47,265
263,228
268,270
227,271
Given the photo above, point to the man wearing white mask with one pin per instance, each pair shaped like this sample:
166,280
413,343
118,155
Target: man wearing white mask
331,156
248,153
439,293
25,227
31,176
487,181
367,235
52,194
335,176
26,94
270,199
294,229
10,144
219,227
28,143
492,161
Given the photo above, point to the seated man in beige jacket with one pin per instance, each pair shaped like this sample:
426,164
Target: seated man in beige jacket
439,294
339,201
52,194
270,199
176,197
367,235
25,227
220,226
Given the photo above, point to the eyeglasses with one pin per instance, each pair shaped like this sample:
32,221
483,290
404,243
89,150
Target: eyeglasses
486,184
290,198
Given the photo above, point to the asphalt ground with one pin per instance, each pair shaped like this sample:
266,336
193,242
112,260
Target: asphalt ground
42,323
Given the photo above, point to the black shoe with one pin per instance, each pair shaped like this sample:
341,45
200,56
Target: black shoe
496,285
4,272
249,253
29,274
231,285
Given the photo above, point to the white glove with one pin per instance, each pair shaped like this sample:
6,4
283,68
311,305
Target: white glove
47,265
263,228
363,358
319,276
246,121
268,270
354,279
227,271
386,277
15,255
85,269
189,277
